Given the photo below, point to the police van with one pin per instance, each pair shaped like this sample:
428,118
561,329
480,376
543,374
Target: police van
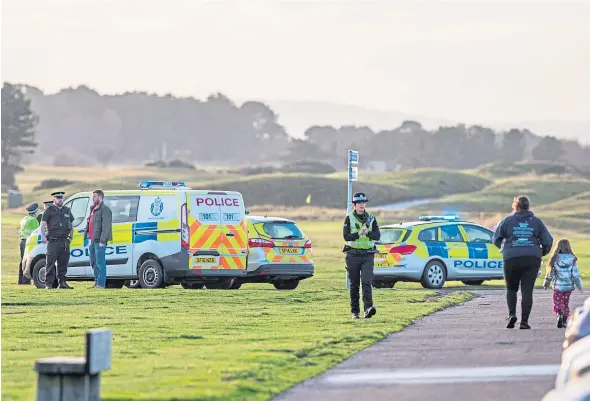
163,233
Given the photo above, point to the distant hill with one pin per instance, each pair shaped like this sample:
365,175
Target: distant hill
298,115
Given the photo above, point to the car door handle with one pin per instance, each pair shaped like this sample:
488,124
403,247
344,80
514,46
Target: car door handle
82,231
229,234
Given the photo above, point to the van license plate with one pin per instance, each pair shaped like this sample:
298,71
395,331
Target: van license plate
289,251
205,260
381,256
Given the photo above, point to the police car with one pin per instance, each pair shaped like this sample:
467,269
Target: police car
436,249
163,233
278,252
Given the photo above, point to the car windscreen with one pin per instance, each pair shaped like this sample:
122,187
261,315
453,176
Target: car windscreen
279,230
391,236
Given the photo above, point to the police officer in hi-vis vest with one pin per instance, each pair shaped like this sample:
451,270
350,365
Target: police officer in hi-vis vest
28,224
360,233
56,232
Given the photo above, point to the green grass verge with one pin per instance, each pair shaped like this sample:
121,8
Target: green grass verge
172,343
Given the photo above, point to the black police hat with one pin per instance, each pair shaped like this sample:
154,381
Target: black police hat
359,197
58,194
32,208
49,202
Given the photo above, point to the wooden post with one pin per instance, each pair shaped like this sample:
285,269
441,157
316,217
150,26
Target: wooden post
75,378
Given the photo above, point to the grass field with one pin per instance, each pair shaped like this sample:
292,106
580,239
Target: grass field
252,343
200,344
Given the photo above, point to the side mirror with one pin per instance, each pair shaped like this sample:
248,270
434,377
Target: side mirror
77,221
247,211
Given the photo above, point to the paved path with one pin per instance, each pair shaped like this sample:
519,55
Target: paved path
461,353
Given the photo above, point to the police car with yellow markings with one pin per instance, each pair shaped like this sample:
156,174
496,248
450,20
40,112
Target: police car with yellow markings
163,233
436,249
278,252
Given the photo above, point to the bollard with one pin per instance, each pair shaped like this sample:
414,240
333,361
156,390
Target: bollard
64,378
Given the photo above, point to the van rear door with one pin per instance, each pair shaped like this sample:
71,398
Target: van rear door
217,230
205,233
234,249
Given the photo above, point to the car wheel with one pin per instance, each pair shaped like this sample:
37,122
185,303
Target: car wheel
286,285
473,282
384,283
116,284
151,274
39,273
435,275
192,286
132,284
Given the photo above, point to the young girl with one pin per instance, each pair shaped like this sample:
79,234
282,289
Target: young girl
562,269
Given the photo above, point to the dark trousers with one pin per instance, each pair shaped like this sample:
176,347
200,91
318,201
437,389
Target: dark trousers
57,250
521,271
360,270
21,278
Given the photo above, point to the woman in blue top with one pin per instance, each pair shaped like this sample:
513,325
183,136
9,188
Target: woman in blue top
523,240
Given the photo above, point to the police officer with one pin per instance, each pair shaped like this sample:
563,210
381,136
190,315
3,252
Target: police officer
28,224
56,232
360,233
46,204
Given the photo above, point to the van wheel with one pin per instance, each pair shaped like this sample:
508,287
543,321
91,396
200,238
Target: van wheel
435,275
286,285
132,284
116,284
151,274
192,286
39,273
473,282
225,284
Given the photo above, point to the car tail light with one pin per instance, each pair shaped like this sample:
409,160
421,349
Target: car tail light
403,249
307,244
260,243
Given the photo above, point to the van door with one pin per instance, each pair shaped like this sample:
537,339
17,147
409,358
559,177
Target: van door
79,263
205,231
234,249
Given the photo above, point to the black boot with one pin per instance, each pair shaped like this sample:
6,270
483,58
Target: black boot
524,325
64,286
559,320
565,321
511,322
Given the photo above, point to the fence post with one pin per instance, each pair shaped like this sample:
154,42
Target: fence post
66,378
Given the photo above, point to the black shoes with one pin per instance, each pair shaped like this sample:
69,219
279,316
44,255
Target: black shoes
560,320
370,312
565,321
64,286
511,322
524,326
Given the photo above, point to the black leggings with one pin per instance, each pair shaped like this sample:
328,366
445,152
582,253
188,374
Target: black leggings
521,271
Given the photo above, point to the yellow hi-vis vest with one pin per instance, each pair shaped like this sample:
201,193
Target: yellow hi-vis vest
363,242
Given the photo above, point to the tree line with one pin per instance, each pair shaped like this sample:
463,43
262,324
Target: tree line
80,126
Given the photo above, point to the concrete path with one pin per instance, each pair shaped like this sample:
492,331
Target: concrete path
461,353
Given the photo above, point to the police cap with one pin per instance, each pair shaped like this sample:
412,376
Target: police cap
49,202
58,194
32,208
359,197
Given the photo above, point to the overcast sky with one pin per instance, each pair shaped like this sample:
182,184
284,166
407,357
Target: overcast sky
471,60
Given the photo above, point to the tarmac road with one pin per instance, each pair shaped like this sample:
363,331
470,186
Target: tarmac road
461,353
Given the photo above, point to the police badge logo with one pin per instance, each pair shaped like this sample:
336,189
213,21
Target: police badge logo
157,207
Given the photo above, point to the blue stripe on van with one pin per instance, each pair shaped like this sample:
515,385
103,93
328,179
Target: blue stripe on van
137,238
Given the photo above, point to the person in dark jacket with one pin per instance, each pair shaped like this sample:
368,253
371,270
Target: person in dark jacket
523,240
99,231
